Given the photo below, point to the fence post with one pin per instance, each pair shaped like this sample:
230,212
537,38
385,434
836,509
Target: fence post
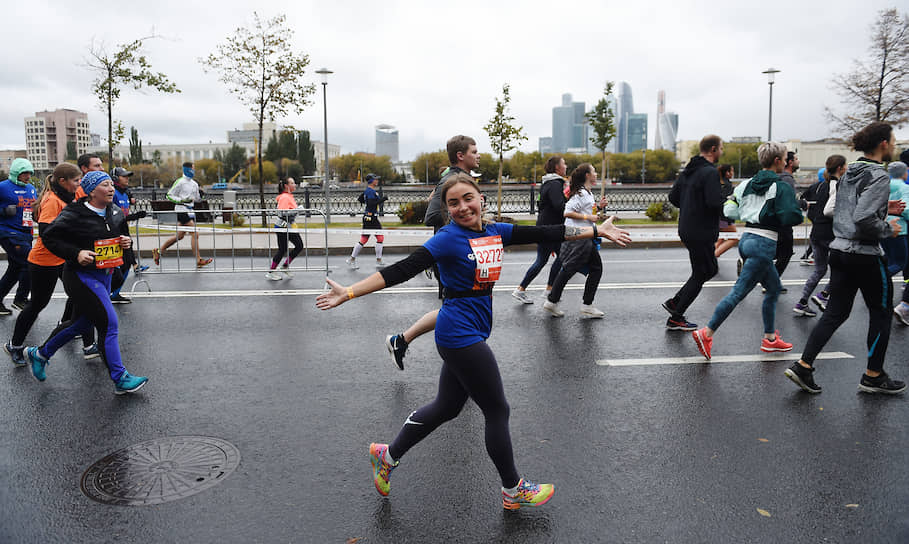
306,199
532,203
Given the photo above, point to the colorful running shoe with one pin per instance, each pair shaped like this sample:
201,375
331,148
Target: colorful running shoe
704,342
680,324
37,362
129,383
777,344
529,494
380,469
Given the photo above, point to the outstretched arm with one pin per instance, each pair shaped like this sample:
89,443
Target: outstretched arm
340,294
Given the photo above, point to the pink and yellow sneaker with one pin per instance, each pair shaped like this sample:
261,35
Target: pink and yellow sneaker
380,469
529,494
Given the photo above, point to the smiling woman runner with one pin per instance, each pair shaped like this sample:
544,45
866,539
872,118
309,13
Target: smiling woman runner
469,254
91,235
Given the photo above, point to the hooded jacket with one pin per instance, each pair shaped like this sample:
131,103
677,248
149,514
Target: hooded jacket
552,200
860,215
699,197
764,202
19,198
78,227
437,214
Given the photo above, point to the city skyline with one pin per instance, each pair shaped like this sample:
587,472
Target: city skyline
390,67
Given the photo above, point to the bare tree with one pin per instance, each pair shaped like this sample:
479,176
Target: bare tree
602,121
258,65
503,136
125,66
877,88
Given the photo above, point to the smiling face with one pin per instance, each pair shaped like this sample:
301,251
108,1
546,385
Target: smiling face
465,207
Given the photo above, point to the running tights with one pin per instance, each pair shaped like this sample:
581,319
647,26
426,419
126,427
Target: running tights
43,282
470,372
90,291
283,237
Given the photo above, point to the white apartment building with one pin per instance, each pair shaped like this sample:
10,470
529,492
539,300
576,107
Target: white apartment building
48,133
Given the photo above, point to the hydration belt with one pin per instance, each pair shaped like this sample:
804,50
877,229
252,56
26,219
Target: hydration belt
471,293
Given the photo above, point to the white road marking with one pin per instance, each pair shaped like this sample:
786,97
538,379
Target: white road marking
750,358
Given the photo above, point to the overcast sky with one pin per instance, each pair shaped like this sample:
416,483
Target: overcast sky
434,71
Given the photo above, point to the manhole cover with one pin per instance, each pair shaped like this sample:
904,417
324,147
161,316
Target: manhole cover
160,470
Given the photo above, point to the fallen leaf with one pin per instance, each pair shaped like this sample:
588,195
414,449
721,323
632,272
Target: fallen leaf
821,408
851,506
353,540
763,440
763,512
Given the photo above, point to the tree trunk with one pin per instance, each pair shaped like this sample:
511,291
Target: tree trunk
499,214
603,174
110,127
261,173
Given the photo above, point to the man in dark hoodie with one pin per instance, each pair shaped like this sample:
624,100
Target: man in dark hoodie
857,262
699,196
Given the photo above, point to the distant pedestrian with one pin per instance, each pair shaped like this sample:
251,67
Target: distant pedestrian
286,216
581,254
699,196
123,198
17,199
765,203
816,198
369,197
727,172
898,183
857,262
551,212
784,245
895,247
184,193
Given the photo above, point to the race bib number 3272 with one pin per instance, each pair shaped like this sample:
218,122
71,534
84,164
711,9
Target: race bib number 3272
108,253
487,254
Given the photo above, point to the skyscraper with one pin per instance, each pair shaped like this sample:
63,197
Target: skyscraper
624,107
635,131
569,127
387,141
667,125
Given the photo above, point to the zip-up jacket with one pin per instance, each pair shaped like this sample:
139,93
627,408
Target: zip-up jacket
552,201
821,225
860,215
698,196
764,202
78,227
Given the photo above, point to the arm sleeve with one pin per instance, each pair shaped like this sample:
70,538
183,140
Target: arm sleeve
434,216
54,241
713,191
410,266
545,233
865,215
554,196
830,206
675,192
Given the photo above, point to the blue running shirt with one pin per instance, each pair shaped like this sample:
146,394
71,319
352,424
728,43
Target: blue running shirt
467,260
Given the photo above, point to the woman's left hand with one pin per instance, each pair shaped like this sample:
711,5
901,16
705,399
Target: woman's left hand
126,242
612,232
337,296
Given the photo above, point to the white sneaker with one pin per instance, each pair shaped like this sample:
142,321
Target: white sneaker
902,314
587,310
379,263
522,296
352,263
553,308
287,272
272,275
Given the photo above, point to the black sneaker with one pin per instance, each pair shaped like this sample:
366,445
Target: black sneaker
16,354
669,306
803,377
120,299
680,324
4,310
20,304
396,347
881,384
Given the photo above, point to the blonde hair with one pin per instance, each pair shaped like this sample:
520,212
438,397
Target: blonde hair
769,151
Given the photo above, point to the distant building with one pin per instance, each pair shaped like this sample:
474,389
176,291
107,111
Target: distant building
667,125
95,139
745,140
624,107
179,152
546,145
813,154
635,131
334,150
569,127
48,133
387,141
250,133
7,156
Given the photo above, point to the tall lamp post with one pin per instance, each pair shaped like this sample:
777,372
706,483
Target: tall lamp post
771,74
324,73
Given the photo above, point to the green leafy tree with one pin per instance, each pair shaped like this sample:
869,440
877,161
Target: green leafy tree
504,136
156,157
877,88
489,168
306,154
135,146
349,166
233,160
207,170
602,121
125,66
258,65
742,157
432,164
267,169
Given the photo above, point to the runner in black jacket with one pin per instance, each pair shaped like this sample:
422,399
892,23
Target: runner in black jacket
91,235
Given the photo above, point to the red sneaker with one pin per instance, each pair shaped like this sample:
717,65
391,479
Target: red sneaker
777,344
704,342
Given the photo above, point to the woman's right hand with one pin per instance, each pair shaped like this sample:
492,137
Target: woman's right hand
607,230
85,257
337,296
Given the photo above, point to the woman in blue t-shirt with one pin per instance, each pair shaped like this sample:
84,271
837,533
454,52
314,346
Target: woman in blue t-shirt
469,256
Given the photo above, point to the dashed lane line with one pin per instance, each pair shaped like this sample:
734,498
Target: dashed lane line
748,358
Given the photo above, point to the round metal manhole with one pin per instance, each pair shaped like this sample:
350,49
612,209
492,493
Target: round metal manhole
160,470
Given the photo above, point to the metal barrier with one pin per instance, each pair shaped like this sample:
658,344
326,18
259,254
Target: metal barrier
225,239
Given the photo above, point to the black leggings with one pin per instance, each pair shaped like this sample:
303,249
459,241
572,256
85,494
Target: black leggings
784,244
470,372
282,245
595,271
43,281
849,273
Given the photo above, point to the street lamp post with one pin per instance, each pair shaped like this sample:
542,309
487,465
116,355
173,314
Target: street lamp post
324,73
771,74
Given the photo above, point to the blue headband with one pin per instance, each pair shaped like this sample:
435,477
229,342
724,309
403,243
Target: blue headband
92,179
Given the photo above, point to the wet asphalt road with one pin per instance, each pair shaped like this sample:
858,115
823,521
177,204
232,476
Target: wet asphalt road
646,453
